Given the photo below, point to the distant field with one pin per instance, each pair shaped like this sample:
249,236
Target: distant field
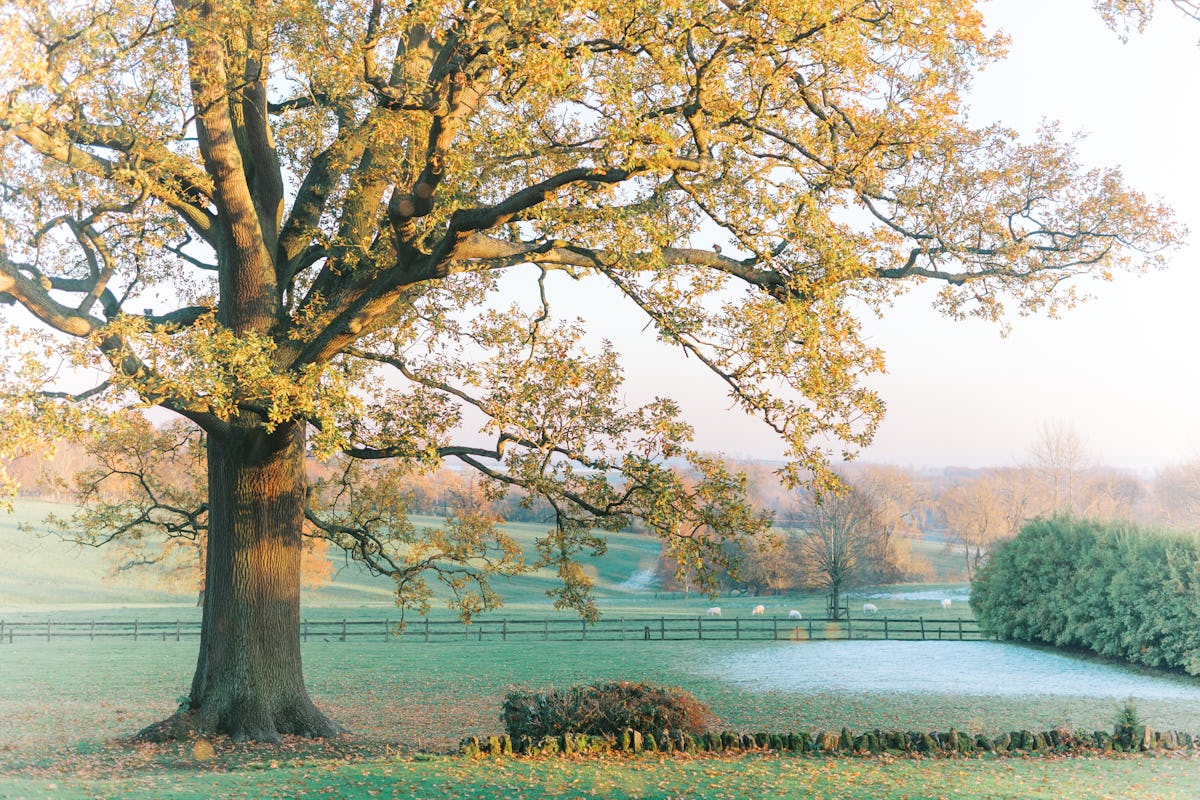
44,573
945,559
46,578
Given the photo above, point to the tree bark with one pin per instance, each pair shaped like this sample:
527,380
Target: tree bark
249,682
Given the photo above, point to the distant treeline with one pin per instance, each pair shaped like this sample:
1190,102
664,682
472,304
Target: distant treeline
1110,588
866,535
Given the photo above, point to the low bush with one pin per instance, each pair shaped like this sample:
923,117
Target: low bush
604,709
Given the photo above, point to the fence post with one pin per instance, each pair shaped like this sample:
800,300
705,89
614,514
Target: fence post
699,628
177,630
775,628
305,629
504,630
622,629
427,629
960,632
922,629
582,629
135,630
885,630
849,626
662,627
343,629
545,628
47,630
737,628
810,629
387,626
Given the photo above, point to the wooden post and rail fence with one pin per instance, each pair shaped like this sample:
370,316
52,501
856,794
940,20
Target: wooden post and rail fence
510,629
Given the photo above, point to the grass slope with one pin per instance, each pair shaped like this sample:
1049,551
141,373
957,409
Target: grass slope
46,578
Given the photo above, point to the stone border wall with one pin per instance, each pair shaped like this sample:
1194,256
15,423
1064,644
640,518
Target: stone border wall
940,743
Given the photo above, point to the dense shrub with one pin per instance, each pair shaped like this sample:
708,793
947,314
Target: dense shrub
1110,588
604,708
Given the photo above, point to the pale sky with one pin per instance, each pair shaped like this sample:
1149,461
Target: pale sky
1123,368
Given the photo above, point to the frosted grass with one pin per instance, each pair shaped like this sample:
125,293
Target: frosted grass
967,668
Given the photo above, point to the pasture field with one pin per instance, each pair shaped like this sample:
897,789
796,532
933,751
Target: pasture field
62,705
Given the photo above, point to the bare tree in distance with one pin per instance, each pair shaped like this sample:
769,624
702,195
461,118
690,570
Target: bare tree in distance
1108,493
836,533
1176,493
979,514
900,504
1059,457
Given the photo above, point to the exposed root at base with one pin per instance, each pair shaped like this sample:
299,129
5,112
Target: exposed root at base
184,725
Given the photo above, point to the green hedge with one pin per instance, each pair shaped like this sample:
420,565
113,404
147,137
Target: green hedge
1110,588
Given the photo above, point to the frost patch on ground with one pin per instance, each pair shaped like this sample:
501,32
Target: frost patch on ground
967,668
640,579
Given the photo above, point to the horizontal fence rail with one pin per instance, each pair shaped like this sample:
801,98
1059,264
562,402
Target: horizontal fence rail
633,628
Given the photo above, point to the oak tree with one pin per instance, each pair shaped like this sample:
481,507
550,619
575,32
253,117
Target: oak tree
305,228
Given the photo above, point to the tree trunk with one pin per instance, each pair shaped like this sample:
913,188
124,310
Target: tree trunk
249,682
835,600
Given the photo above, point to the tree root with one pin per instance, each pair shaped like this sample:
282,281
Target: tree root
186,724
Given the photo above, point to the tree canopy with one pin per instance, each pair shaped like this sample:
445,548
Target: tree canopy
337,228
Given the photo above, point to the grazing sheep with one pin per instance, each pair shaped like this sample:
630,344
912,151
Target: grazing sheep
794,614
715,611
759,610
870,608
946,602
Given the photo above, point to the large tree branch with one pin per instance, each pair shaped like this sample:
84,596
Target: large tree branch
265,178
34,294
144,169
487,408
248,283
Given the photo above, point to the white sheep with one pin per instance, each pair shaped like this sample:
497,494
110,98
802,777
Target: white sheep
715,611
870,608
794,614
759,610
946,602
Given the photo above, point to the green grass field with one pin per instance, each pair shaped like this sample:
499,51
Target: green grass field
64,704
